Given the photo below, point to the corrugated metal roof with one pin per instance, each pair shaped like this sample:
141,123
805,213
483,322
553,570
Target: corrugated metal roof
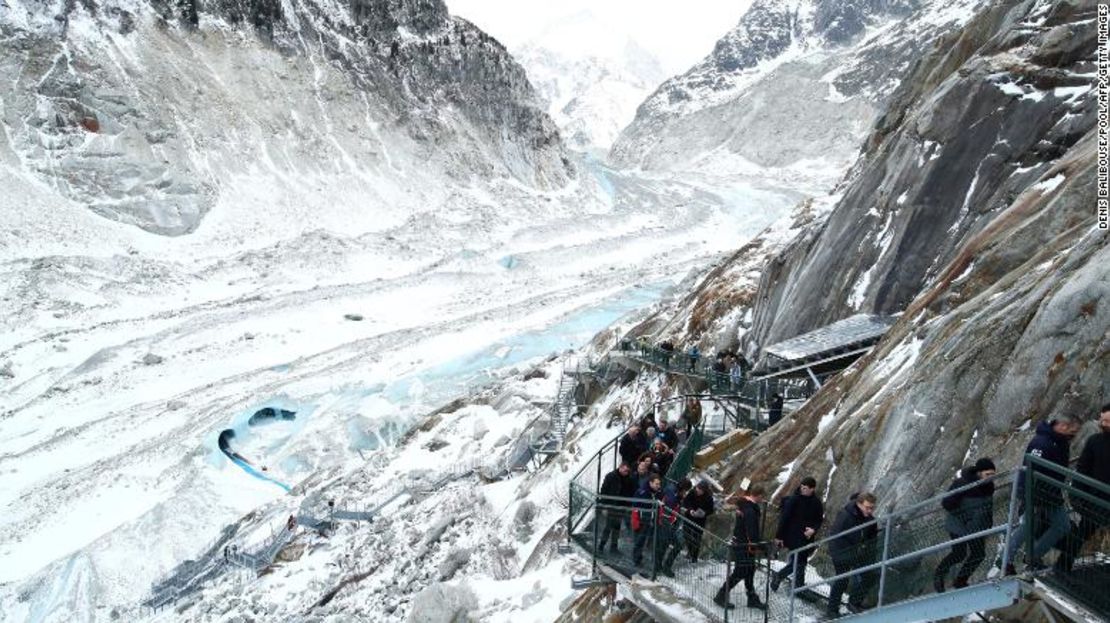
853,330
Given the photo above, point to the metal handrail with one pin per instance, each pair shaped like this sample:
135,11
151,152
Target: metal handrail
1033,473
906,510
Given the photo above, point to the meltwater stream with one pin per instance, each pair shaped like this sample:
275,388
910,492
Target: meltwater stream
376,416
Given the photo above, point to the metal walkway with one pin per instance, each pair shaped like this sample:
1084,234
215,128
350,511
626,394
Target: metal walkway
889,576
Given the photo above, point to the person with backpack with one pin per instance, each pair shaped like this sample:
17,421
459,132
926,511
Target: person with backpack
618,483
801,518
746,545
697,506
969,510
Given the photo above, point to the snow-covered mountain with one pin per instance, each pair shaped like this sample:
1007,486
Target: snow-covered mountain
969,218
795,85
350,211
591,99
591,74
155,114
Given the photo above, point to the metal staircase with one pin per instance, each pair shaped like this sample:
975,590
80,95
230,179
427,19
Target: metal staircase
891,576
562,409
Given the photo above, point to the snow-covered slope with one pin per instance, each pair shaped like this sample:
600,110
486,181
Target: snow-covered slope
155,114
795,86
370,215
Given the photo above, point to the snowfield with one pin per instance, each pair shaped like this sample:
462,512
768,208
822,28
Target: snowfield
129,352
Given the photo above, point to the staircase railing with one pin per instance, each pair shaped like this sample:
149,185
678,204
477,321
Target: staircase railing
754,390
659,550
1080,508
897,555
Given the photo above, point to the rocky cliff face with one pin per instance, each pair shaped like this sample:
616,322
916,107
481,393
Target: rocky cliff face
796,84
971,215
153,113
947,157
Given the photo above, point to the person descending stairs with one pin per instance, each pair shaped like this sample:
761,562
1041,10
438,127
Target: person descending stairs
746,546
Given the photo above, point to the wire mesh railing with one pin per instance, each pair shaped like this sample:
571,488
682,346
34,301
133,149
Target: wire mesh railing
1069,519
718,380
910,552
658,544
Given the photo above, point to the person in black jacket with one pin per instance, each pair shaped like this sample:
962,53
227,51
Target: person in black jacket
852,550
969,511
618,483
774,410
697,506
1052,442
1094,463
666,433
801,518
645,515
746,545
632,445
662,456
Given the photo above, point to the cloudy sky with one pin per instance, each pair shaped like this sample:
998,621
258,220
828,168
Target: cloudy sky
678,33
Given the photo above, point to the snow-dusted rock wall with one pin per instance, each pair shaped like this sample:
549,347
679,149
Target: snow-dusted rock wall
1000,270
152,113
796,84
977,123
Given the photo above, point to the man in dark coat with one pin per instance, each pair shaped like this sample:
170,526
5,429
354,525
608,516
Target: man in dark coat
746,545
801,518
970,510
644,516
774,410
697,506
666,541
666,433
852,550
1094,463
1052,442
618,483
632,445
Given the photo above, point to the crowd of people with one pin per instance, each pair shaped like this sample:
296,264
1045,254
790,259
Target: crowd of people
854,536
726,370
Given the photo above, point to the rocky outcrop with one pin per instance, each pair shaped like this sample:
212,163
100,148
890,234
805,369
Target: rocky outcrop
796,84
978,122
998,272
151,114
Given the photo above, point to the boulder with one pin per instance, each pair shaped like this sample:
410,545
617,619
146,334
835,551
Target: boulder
443,603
